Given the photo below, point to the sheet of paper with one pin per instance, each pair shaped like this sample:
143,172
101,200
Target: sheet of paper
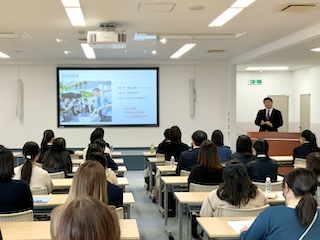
237,225
41,199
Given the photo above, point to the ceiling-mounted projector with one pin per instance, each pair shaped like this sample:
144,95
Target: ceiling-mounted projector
107,37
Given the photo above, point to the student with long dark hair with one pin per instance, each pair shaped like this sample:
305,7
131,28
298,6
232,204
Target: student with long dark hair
57,158
298,219
309,144
35,176
46,143
243,150
110,163
223,151
313,163
15,194
263,166
236,190
176,146
208,170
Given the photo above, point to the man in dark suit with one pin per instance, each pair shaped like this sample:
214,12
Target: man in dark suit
188,159
269,119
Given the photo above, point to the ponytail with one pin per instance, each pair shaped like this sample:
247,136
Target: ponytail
30,151
313,142
306,209
47,136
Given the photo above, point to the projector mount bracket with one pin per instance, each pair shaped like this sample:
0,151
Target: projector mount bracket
108,26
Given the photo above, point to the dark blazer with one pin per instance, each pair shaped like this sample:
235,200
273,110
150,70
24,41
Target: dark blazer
187,160
115,195
201,175
174,149
303,151
110,163
261,168
275,119
243,157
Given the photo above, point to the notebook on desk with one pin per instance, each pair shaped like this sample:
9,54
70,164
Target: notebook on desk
41,199
237,225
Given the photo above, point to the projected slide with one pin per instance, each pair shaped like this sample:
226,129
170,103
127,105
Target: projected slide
102,97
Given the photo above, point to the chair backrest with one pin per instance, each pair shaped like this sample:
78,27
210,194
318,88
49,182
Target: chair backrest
120,212
234,212
300,163
184,172
194,187
39,191
275,186
57,175
17,217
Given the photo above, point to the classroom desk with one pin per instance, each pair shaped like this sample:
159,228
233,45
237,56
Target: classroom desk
285,164
78,161
65,183
167,169
218,227
153,161
169,183
112,154
121,170
40,230
146,155
59,199
194,200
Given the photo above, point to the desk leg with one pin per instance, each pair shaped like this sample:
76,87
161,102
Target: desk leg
180,209
166,189
128,211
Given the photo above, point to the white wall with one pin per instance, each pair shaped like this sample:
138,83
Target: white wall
213,83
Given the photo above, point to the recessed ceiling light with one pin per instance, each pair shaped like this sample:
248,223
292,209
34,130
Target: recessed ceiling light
185,48
88,51
315,49
163,40
3,55
66,52
154,52
280,68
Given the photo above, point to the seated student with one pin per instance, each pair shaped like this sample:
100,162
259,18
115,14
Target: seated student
223,151
313,163
110,163
262,166
297,219
15,194
35,176
115,193
209,170
309,144
96,134
89,180
236,191
165,142
46,143
243,150
100,221
189,158
175,147
57,158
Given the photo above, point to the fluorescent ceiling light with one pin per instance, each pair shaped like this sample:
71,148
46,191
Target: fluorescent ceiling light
242,3
197,36
70,3
23,35
3,55
225,17
187,47
144,36
315,49
75,16
88,51
280,68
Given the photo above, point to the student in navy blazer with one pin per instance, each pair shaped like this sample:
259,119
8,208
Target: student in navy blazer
269,119
188,159
309,145
262,166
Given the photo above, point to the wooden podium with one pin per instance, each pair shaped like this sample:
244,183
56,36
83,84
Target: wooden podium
280,144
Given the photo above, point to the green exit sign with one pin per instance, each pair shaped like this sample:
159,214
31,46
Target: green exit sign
255,82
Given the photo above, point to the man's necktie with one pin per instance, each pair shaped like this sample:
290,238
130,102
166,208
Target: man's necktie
268,115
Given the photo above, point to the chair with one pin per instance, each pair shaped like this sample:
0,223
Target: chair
275,186
120,212
300,163
235,212
17,217
39,191
194,187
184,172
57,175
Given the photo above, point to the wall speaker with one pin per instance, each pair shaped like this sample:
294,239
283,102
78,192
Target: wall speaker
19,109
192,96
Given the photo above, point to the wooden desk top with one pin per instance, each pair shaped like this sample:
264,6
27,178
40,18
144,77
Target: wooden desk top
167,168
198,197
156,159
115,154
59,199
149,154
17,154
40,230
282,158
218,227
118,161
77,161
175,179
62,183
121,169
